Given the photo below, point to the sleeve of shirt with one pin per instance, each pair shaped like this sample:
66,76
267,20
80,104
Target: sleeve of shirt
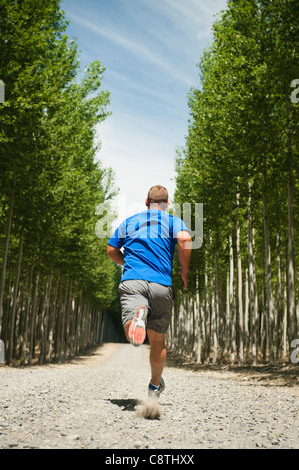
118,237
178,226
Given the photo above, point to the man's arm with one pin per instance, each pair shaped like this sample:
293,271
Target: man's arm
116,255
184,252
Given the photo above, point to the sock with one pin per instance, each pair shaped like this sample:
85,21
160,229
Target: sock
153,387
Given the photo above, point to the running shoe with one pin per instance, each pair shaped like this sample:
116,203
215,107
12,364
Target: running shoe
137,329
155,392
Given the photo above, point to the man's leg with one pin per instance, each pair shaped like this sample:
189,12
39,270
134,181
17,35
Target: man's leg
134,306
157,355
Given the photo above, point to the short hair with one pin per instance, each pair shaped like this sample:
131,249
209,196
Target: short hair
157,194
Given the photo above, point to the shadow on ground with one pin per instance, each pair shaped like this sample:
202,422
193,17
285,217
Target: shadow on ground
83,356
126,404
283,374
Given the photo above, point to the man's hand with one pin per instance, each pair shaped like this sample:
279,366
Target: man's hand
184,276
184,252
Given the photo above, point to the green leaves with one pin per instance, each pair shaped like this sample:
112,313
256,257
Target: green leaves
48,125
242,143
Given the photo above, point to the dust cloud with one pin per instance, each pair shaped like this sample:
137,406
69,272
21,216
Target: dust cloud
149,409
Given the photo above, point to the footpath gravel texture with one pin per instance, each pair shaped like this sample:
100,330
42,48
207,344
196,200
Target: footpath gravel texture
94,402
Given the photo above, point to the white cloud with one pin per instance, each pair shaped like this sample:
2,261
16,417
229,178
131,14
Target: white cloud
140,155
193,17
143,53
144,89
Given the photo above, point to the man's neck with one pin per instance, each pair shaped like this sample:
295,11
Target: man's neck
156,207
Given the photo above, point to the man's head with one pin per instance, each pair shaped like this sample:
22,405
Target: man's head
157,198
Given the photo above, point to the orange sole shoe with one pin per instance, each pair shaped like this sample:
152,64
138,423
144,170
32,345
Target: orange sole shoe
137,329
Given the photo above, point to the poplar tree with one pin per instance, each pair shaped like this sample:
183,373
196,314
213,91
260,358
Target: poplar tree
239,160
55,279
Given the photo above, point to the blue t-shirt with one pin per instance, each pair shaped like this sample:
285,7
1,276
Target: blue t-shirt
149,240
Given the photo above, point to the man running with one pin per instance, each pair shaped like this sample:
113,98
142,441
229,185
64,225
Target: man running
148,240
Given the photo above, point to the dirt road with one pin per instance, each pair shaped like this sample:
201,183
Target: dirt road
96,402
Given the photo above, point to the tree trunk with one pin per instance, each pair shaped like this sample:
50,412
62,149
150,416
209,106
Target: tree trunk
264,319
72,321
199,337
78,323
5,253
14,306
240,294
270,322
23,313
213,316
52,317
255,317
33,320
62,323
246,317
232,307
58,321
279,313
7,306
285,320
219,307
207,313
43,321
67,320
251,285
291,240
27,312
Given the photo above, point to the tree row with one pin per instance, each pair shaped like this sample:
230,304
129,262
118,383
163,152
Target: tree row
241,161
50,185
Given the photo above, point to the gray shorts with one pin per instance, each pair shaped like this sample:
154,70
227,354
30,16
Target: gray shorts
157,297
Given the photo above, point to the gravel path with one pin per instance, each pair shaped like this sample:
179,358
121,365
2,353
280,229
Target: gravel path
95,402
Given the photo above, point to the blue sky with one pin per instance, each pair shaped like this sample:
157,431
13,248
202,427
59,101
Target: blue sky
150,49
